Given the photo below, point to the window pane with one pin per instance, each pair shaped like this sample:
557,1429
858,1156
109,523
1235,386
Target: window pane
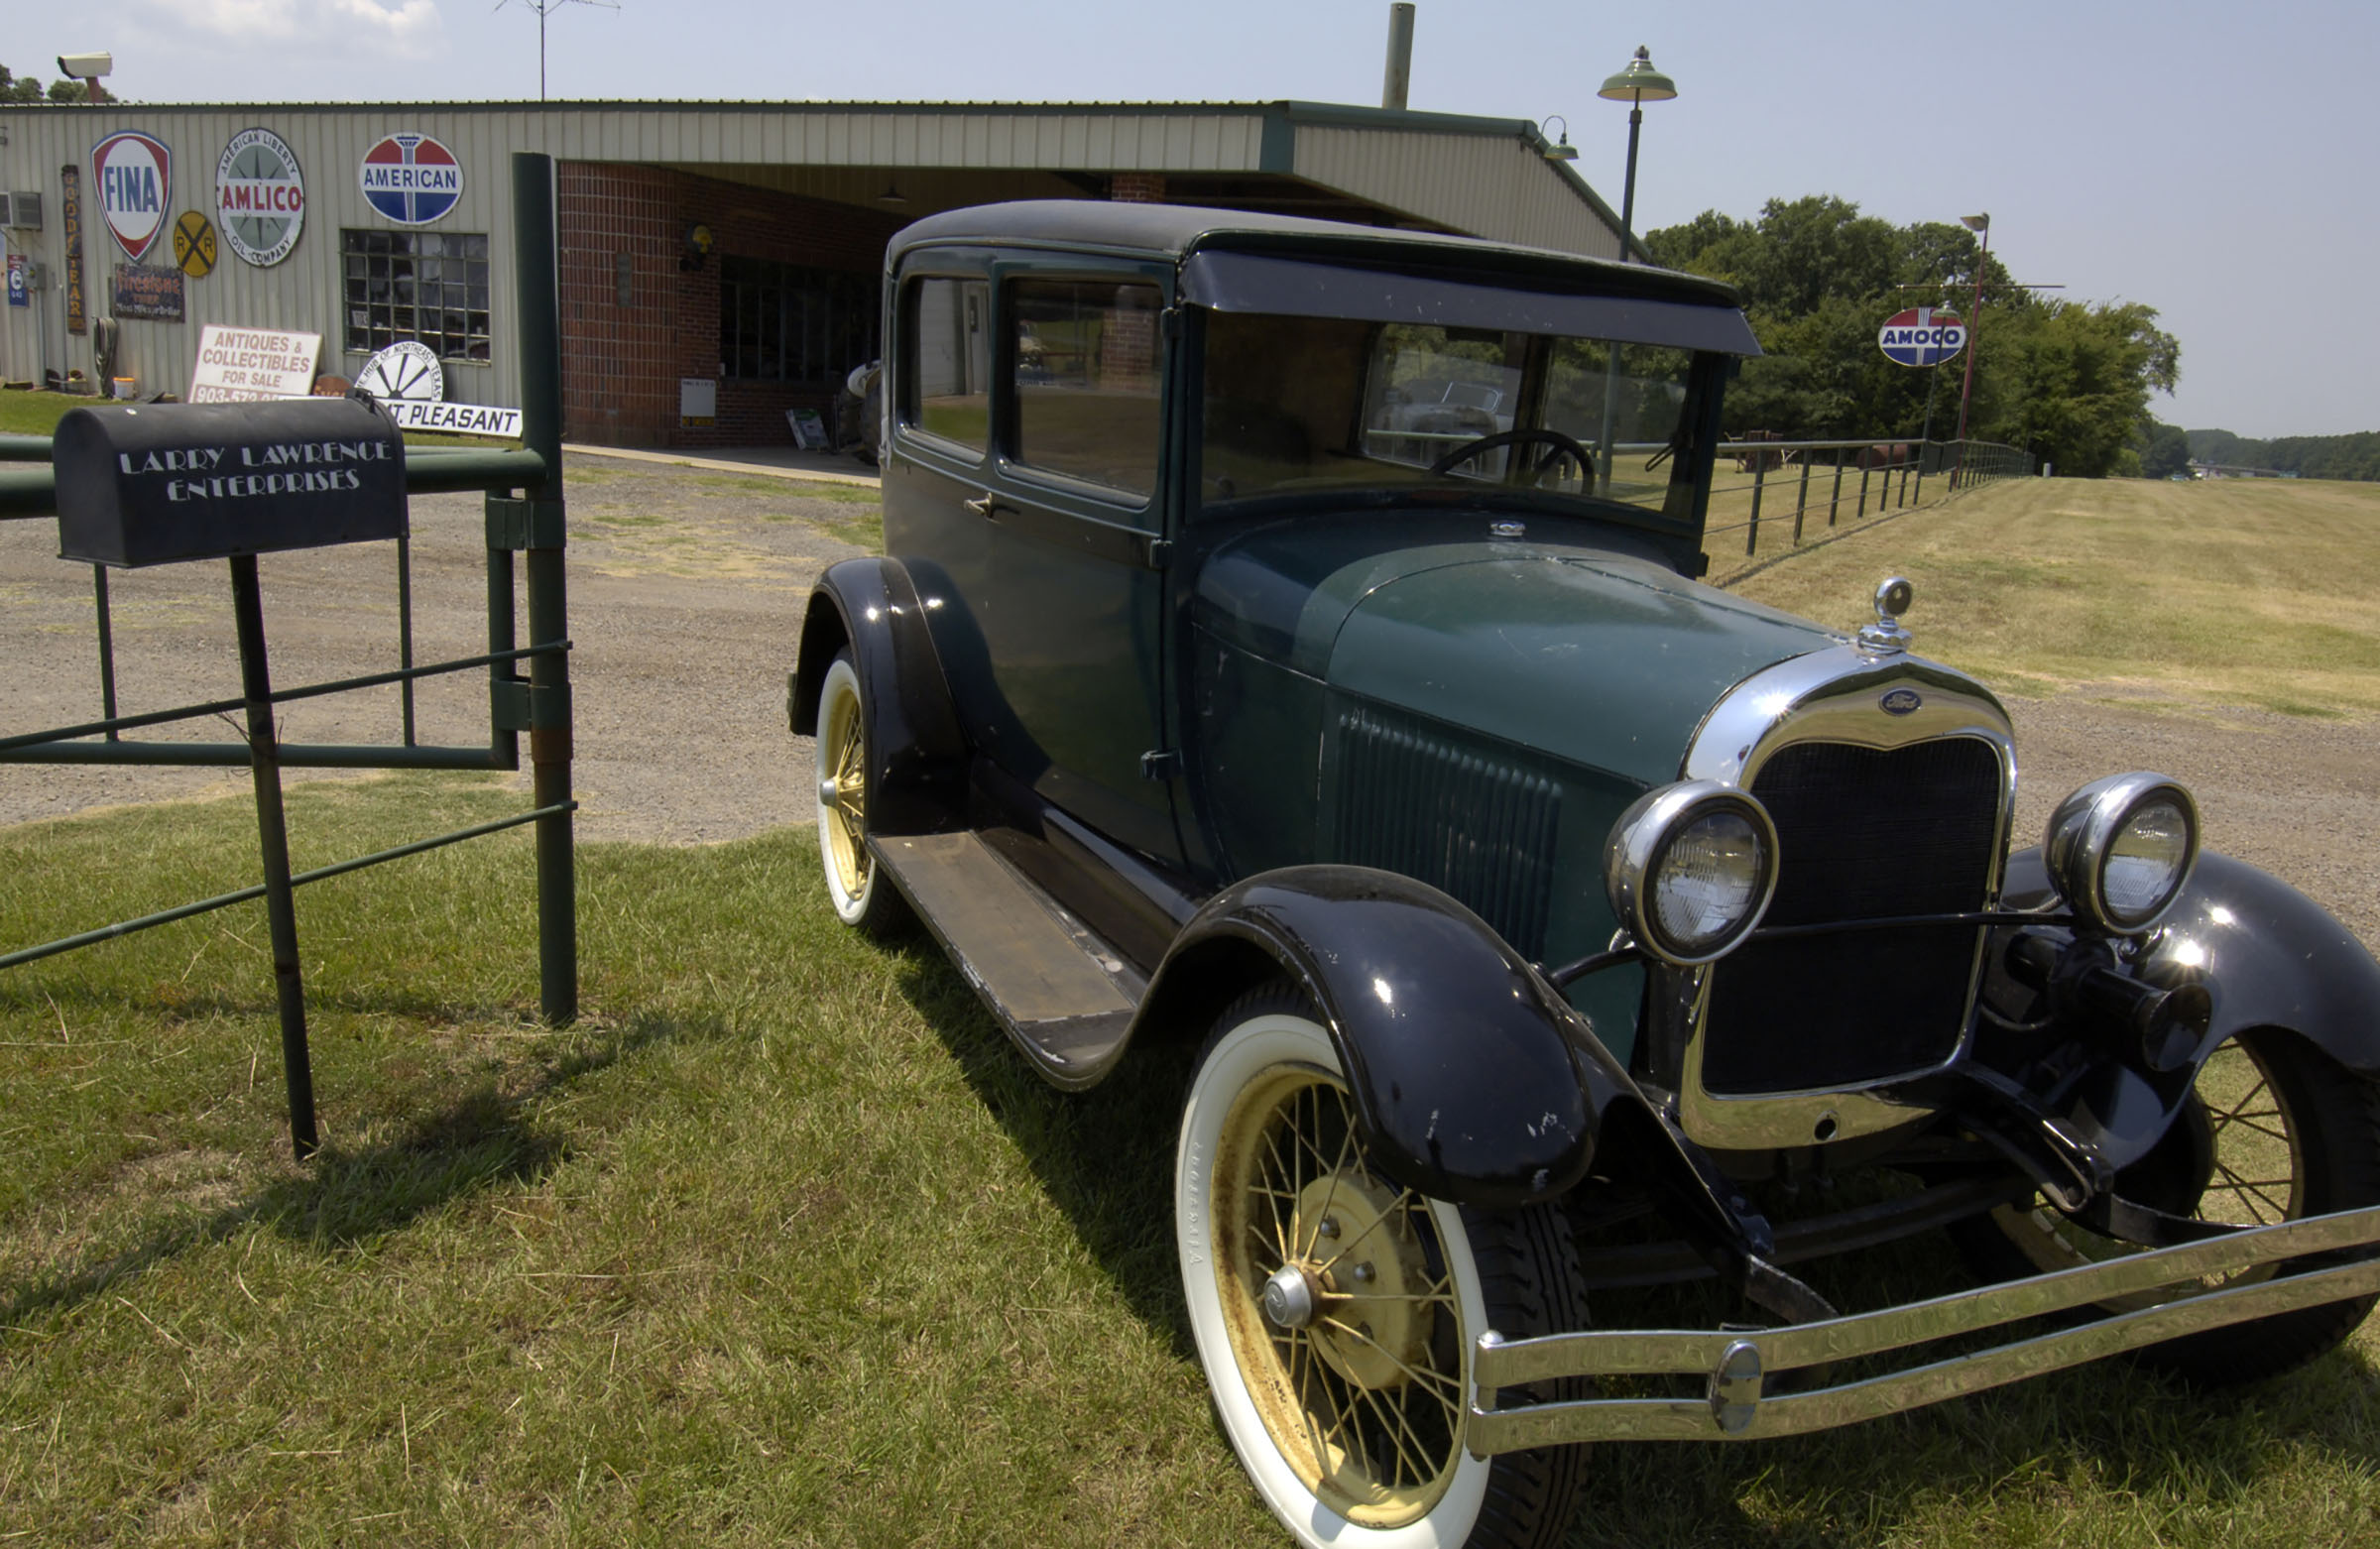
1087,381
949,369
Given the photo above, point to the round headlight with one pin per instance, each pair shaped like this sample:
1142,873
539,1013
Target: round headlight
1691,868
2120,849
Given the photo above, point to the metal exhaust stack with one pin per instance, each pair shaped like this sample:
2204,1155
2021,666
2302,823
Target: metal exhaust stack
1400,54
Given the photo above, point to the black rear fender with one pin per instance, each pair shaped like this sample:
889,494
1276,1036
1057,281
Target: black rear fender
1471,1078
917,756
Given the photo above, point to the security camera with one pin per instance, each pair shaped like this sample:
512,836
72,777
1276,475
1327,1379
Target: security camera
85,66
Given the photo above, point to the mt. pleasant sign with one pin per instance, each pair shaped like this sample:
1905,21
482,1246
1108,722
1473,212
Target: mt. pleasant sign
1922,336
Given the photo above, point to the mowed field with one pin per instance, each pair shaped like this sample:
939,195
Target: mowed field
2241,592
782,1245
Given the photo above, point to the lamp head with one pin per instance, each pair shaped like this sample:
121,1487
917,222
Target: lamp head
1561,150
1639,82
1976,222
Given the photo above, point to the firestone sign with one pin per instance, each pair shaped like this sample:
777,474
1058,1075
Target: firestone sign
1922,336
260,197
411,179
134,173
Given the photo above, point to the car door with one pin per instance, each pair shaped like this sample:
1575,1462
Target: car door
1074,522
938,457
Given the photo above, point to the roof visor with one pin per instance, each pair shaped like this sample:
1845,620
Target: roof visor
1254,283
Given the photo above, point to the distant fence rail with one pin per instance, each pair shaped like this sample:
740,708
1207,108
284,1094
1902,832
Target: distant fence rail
1831,475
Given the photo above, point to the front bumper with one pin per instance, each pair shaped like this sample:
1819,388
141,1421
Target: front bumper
1736,1367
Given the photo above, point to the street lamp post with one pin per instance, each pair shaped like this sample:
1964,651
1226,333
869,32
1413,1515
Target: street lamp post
1635,86
1974,331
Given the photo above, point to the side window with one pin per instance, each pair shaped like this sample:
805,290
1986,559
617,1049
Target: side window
1086,364
947,370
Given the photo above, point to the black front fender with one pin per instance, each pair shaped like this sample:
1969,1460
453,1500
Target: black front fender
917,755
1471,1079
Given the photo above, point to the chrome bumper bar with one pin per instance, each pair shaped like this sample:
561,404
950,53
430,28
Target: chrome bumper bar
1735,1366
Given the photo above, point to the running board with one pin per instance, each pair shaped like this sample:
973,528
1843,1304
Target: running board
1060,992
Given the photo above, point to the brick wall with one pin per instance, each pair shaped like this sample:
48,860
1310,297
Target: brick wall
1137,187
621,365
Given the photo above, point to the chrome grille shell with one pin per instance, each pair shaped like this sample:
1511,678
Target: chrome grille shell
1833,696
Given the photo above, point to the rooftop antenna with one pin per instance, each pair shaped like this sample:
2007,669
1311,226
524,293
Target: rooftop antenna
543,7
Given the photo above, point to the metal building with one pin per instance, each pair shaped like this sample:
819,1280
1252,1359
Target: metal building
734,245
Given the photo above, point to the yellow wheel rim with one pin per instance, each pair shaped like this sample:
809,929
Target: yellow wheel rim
1365,1396
843,793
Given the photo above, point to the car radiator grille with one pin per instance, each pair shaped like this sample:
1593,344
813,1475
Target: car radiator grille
1478,828
1862,834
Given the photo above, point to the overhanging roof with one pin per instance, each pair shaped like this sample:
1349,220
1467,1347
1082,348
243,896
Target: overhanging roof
1484,176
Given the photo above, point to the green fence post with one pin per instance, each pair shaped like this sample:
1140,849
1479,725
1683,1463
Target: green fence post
1800,500
1751,533
536,287
1835,502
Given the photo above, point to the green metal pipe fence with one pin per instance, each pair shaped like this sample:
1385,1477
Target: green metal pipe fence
1890,474
525,517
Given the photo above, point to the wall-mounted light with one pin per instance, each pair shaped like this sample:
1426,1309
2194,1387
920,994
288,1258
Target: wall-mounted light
893,195
1560,150
697,248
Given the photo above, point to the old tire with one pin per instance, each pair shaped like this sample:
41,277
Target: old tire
861,898
1351,1424
2281,1131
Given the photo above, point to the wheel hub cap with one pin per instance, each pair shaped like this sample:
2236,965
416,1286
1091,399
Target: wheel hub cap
1359,1258
1289,1298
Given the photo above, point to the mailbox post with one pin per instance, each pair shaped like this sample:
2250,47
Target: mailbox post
141,487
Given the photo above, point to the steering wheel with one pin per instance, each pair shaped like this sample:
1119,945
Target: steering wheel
1520,435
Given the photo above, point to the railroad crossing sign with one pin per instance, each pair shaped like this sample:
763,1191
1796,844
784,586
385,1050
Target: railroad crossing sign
1922,336
194,244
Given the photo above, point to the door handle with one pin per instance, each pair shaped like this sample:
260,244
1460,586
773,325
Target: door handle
987,507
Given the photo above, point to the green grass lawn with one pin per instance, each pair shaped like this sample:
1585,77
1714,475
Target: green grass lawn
782,1245
2253,592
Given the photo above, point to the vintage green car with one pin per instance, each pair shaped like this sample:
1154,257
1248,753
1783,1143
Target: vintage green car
1548,917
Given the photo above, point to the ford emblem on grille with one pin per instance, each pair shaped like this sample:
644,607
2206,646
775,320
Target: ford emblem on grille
1901,701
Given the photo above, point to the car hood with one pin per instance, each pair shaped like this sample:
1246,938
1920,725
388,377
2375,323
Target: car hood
1600,658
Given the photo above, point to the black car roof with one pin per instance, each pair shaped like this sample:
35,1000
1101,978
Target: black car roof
1176,230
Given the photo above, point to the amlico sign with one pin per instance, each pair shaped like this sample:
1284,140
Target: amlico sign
260,197
411,179
134,173
1922,336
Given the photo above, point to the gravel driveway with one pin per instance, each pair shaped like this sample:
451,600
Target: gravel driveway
686,589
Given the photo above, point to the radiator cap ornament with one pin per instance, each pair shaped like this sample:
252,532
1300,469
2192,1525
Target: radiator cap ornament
1885,637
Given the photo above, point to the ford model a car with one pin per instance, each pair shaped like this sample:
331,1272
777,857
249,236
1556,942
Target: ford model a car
1545,915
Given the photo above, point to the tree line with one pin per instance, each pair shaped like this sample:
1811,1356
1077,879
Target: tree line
24,89
2068,381
2355,456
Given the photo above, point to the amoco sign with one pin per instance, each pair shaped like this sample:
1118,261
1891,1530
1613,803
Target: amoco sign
260,197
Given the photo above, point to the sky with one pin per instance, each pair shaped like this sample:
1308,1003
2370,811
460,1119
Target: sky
2213,161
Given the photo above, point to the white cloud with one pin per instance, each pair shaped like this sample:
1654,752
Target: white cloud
407,29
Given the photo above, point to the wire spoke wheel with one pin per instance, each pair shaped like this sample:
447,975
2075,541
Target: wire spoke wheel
2272,1131
1357,1364
1334,1309
841,771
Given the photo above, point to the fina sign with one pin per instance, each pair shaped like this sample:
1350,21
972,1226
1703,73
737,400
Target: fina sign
1922,336
135,174
411,179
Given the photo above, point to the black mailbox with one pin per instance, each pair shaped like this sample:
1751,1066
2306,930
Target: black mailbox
156,483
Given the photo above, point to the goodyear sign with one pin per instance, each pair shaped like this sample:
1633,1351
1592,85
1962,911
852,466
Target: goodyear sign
1922,336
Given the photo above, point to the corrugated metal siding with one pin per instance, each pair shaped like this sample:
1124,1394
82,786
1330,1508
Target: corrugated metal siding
304,291
1483,185
1490,184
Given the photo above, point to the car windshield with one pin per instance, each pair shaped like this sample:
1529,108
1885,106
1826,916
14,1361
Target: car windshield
1325,404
